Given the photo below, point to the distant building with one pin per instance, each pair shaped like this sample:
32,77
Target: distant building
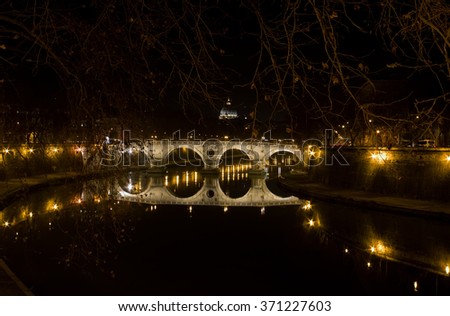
227,112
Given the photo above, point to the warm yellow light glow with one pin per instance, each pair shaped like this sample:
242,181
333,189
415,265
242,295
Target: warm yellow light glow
378,131
79,201
380,157
55,206
416,285
6,224
226,137
31,214
263,210
346,250
381,248
447,269
55,150
307,206
447,158
166,180
6,150
311,223
225,209
369,264
190,208
31,150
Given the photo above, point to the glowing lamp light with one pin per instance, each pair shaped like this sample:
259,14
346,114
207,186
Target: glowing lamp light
6,224
416,286
369,264
307,206
447,269
380,157
381,248
311,223
263,210
55,206
447,158
372,249
31,214
346,250
225,209
190,209
6,150
31,150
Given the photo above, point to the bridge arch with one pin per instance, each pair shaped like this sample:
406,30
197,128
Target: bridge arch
198,161
280,149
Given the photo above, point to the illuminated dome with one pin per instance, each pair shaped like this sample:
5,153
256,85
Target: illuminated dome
227,113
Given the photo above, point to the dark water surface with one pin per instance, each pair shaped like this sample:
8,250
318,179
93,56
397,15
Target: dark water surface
80,241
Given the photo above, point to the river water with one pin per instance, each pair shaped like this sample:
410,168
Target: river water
77,239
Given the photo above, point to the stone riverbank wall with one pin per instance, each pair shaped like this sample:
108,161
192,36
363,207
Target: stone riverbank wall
408,172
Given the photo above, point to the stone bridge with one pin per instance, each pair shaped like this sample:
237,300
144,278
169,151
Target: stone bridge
210,152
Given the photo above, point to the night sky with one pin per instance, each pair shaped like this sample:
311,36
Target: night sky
300,64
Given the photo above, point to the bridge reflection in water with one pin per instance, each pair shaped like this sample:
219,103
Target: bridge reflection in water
155,191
